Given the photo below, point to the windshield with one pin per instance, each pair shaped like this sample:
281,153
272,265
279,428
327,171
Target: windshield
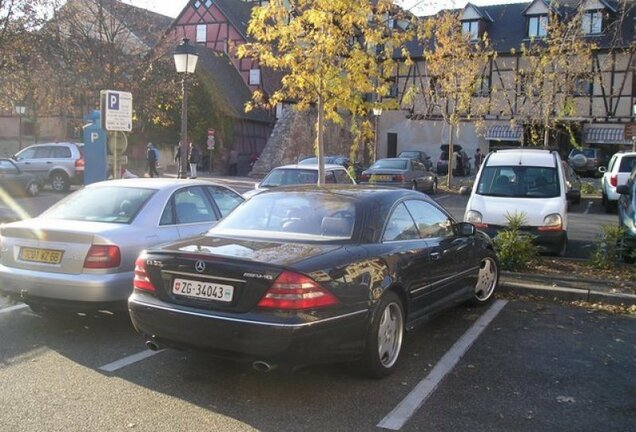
291,216
105,204
283,176
519,182
397,164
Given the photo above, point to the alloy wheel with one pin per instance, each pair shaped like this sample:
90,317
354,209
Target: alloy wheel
390,334
486,279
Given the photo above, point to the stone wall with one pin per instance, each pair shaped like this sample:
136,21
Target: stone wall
293,139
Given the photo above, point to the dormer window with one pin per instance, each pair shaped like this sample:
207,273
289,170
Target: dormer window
537,26
592,22
471,28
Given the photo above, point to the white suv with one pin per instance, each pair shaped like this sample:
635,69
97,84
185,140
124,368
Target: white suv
616,174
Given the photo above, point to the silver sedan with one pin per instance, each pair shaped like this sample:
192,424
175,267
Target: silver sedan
82,250
401,172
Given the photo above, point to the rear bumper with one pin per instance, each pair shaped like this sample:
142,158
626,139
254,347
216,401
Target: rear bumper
292,340
83,288
546,241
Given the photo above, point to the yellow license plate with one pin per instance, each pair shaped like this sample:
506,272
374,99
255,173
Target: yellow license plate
48,256
377,177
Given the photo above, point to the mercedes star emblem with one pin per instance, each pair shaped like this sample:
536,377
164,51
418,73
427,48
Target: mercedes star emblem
199,266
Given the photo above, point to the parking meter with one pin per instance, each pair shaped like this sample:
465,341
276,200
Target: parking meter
95,162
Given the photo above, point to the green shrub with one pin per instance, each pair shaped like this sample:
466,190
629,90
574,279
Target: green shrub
515,249
607,249
589,188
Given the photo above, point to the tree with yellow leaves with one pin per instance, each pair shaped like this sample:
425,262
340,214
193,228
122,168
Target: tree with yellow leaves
335,53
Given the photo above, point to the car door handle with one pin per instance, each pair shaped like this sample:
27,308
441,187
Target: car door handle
49,162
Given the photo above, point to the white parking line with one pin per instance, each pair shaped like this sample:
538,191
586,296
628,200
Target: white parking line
118,364
587,207
414,400
440,197
13,308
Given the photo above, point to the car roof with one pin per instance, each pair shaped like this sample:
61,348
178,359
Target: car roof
154,183
56,143
528,157
309,166
354,191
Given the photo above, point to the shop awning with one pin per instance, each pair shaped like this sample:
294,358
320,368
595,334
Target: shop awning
504,133
599,135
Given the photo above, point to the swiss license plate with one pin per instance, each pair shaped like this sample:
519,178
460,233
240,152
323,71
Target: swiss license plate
48,256
202,290
377,177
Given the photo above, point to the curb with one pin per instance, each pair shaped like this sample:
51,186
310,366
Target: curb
509,284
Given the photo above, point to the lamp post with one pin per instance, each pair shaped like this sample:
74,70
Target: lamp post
377,112
20,110
185,60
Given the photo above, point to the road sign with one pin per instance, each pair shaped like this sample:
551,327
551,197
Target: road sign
116,110
211,139
117,142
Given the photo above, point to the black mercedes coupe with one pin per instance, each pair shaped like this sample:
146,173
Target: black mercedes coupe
309,274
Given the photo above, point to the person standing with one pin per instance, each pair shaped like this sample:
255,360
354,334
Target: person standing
479,158
233,162
151,157
177,158
194,157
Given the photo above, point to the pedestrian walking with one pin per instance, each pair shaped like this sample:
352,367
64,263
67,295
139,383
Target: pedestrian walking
233,160
151,157
479,158
194,157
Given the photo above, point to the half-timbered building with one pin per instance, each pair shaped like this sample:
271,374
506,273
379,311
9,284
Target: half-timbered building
605,109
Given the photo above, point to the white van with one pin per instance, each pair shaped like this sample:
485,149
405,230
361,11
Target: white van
528,181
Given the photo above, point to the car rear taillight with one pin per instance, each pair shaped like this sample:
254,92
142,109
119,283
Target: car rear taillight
79,164
141,280
398,178
364,177
102,257
614,180
293,291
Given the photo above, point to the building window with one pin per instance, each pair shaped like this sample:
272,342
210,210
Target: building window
592,22
255,77
197,4
483,86
202,33
471,28
583,87
538,26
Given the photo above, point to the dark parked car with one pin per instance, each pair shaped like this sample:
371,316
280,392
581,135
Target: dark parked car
400,172
626,208
17,182
573,184
461,166
308,274
587,161
419,155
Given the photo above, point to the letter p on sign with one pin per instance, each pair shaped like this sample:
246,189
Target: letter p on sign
113,101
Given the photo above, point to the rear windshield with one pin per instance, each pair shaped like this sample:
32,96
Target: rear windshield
519,182
627,163
291,216
390,164
105,204
588,152
282,177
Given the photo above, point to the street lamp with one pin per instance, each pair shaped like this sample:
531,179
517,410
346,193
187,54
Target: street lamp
185,61
20,110
377,112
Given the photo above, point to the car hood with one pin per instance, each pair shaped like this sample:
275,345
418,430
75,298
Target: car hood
495,209
279,253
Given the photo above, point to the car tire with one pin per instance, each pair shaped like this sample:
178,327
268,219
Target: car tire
384,339
434,188
564,248
414,185
60,182
33,189
609,206
487,281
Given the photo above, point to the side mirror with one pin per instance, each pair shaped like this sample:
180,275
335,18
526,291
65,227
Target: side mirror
602,169
465,229
622,189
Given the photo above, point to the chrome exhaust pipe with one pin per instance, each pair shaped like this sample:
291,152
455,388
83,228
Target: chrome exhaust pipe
262,366
152,345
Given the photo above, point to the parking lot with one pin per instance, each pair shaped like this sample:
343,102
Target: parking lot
516,365
534,366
